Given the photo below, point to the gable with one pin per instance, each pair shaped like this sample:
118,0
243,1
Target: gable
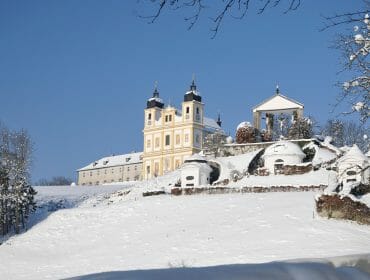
278,103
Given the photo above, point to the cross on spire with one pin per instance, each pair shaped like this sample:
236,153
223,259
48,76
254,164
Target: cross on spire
277,89
156,93
193,87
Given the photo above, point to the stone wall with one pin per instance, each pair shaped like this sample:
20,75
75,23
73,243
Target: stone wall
254,189
297,169
334,206
238,149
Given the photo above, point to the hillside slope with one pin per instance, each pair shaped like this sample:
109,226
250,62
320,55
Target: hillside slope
159,232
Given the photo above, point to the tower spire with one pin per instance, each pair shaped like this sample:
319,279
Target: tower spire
277,89
219,122
193,87
156,93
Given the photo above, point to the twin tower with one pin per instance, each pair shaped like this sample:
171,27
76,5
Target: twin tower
171,135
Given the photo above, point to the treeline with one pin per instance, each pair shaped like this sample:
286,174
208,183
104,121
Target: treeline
55,181
16,193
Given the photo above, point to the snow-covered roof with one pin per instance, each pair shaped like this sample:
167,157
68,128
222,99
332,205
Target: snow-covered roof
284,148
114,161
156,99
195,92
211,124
196,158
327,144
323,154
354,154
202,166
238,163
278,102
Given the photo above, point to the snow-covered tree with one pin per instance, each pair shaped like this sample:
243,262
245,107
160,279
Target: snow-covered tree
301,128
347,133
16,194
355,48
213,142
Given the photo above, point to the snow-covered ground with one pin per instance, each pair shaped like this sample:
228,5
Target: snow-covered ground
53,198
130,232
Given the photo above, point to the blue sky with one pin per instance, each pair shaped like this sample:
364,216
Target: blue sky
76,74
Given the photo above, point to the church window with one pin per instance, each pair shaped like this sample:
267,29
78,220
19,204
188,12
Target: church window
170,118
186,138
167,140
187,110
197,139
148,169
157,142
167,164
156,169
149,116
148,143
197,110
177,139
166,119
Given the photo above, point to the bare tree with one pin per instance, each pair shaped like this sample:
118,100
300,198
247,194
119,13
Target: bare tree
234,8
213,143
347,133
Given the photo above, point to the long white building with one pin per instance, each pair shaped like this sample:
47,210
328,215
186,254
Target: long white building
113,169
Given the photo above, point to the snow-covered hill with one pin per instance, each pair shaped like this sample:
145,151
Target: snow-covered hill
129,232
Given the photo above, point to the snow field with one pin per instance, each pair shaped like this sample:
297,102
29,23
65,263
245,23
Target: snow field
167,231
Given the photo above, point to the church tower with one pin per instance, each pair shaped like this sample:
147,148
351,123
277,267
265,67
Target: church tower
192,107
172,135
193,115
154,107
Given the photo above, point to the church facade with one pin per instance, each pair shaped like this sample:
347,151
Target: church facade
171,135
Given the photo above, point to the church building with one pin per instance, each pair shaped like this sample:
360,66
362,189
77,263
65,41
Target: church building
171,135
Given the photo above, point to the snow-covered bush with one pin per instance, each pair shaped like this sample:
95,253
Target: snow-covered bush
246,133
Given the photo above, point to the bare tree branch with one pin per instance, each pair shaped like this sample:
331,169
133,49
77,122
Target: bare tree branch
228,7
